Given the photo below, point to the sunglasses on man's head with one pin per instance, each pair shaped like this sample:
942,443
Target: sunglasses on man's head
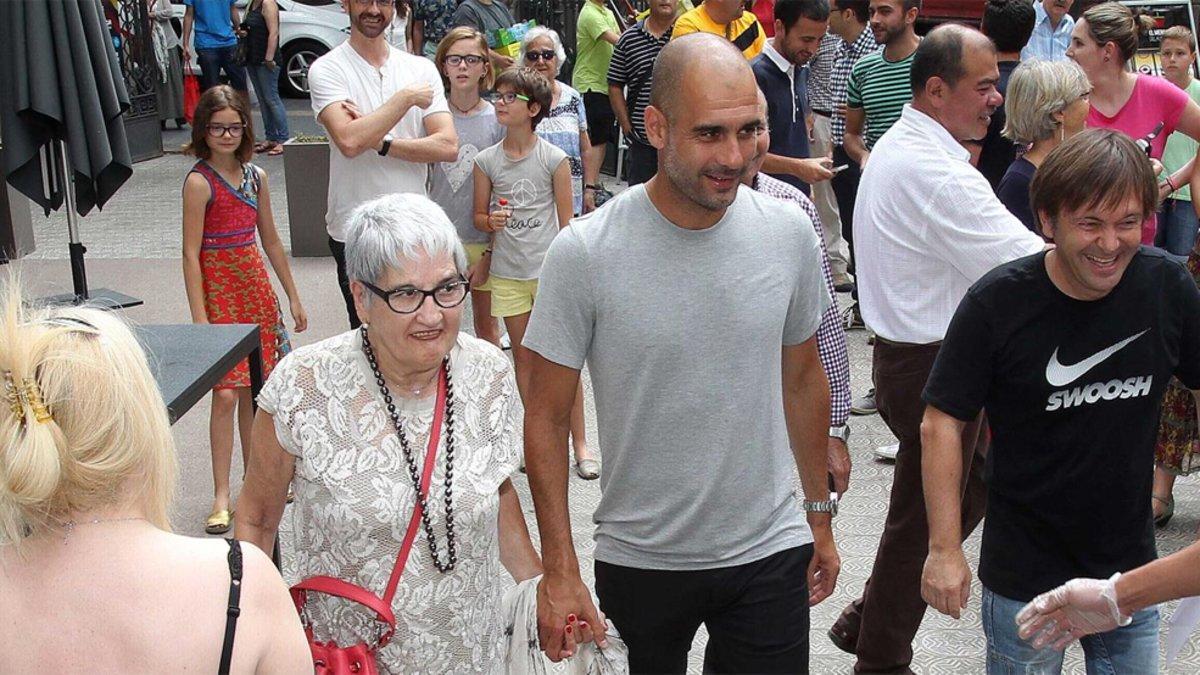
543,55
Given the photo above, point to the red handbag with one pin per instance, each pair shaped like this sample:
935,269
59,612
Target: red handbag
359,659
191,92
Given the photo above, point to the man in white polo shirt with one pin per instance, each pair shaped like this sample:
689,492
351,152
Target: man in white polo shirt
920,244
387,119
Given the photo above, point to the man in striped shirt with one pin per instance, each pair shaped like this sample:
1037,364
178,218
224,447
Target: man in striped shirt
630,69
879,83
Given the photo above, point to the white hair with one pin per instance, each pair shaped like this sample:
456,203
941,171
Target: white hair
386,232
543,32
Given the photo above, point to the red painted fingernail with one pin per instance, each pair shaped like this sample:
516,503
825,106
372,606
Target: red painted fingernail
583,624
570,618
568,629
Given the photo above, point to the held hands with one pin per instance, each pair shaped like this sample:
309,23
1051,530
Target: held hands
1077,608
946,581
566,616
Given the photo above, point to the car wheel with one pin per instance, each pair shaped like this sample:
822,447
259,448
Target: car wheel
298,57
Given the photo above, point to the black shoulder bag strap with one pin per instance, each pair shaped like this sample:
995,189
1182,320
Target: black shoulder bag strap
235,598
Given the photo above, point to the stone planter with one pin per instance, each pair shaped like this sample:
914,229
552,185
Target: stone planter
306,170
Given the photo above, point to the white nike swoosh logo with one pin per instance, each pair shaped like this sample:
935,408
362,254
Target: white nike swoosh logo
1059,375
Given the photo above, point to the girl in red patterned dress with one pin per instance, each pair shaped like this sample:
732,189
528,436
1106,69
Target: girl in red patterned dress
225,201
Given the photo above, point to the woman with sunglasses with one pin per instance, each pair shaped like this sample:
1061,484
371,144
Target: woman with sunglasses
353,422
225,204
566,125
462,59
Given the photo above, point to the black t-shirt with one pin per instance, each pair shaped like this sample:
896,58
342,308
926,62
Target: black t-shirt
998,152
1072,392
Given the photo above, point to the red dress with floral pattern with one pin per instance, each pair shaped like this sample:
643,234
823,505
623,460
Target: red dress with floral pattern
236,286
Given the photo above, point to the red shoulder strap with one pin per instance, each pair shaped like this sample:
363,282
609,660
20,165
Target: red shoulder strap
435,433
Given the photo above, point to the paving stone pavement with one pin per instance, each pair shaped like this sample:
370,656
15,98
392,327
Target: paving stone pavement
134,247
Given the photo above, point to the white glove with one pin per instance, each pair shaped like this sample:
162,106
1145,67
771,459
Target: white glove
1077,608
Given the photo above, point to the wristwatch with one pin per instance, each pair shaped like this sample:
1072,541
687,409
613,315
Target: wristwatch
829,506
387,145
842,433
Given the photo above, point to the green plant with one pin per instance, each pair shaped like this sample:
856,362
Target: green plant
309,138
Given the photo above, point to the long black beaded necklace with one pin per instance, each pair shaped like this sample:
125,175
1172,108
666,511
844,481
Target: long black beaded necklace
413,471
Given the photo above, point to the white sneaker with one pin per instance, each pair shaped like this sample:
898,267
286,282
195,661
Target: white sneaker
865,404
888,452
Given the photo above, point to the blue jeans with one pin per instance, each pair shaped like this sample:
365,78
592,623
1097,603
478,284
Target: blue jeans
266,88
213,61
1177,226
1130,649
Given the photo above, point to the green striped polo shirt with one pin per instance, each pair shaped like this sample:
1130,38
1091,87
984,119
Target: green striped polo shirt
881,88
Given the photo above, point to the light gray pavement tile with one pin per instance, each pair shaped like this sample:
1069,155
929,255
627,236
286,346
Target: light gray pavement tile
134,248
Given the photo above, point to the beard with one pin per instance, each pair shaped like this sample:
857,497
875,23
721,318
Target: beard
368,30
691,183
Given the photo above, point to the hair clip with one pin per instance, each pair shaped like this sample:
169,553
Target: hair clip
33,395
13,396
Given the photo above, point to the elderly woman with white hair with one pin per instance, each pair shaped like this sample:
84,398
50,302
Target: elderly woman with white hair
566,126
1046,103
357,421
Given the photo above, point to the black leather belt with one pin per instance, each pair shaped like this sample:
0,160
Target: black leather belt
822,113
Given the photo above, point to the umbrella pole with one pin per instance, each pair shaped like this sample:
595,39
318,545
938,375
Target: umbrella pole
76,248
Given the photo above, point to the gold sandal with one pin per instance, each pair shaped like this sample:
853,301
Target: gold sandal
218,522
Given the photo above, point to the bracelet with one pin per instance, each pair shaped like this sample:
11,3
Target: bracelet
591,187
486,251
1171,184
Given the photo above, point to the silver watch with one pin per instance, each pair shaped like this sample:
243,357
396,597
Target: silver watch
829,506
842,433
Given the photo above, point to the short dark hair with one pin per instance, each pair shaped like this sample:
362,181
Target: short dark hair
912,4
529,82
789,12
1096,167
940,54
1009,23
216,99
861,9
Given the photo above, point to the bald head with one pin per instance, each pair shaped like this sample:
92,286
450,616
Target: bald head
679,77
943,52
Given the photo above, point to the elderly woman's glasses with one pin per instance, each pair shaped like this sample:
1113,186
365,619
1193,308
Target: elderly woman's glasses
458,59
543,55
508,97
408,299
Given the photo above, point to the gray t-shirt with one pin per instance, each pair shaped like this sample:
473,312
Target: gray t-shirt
683,331
452,184
528,185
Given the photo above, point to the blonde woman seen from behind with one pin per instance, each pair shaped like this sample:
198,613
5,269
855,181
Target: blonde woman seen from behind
92,578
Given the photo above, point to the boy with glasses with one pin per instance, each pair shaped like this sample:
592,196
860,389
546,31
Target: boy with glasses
522,197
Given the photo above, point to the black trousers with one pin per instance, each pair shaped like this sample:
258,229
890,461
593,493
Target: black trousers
339,256
642,160
756,614
845,190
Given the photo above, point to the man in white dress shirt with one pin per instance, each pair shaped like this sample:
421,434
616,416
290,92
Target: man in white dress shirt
387,119
920,243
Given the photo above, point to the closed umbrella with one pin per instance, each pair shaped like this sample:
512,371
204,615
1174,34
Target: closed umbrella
61,101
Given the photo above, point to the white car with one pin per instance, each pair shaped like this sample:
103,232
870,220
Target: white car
307,29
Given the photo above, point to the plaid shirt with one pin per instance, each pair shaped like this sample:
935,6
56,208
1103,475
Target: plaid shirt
848,55
820,71
831,337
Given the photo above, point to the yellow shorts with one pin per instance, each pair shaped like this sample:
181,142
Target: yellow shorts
512,297
474,253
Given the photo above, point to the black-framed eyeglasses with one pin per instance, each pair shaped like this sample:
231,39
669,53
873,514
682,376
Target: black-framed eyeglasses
543,55
457,59
219,130
508,97
408,299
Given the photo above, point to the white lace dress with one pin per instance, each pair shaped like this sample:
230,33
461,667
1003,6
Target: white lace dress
354,499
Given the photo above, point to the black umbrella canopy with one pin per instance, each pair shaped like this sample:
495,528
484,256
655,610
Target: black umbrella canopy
60,81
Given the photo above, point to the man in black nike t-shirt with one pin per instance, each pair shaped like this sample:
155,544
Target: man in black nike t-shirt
1070,351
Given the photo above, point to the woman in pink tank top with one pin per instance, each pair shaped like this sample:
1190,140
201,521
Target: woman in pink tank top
1147,108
